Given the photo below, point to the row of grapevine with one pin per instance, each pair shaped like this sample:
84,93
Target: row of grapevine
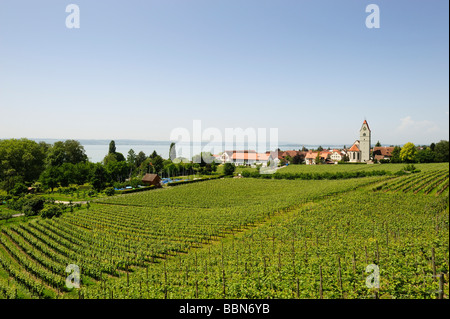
319,250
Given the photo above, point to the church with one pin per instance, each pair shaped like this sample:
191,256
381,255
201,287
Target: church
360,150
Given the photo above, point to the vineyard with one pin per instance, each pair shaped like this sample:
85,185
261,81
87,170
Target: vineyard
241,238
431,182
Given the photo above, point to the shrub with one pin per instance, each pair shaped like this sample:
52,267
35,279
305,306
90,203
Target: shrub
19,189
245,173
228,169
51,211
110,191
32,205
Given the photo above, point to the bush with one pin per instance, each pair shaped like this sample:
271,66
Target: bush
110,191
19,189
51,211
228,169
409,168
32,205
245,173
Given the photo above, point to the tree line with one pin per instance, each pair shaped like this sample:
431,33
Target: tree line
25,163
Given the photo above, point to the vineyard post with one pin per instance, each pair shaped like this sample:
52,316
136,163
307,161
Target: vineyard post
165,281
223,281
378,253
433,261
298,288
441,286
128,276
340,277
196,289
321,283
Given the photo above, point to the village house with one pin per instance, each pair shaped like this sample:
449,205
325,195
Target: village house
311,157
382,153
248,157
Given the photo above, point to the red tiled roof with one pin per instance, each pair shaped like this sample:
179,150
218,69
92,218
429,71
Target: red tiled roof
354,148
384,151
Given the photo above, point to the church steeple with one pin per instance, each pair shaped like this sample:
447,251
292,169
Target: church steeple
365,141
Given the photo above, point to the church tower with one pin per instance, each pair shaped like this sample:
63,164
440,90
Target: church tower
364,142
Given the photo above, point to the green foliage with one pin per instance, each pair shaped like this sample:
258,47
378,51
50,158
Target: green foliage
99,177
32,205
408,152
228,169
69,151
442,151
396,155
51,211
21,160
110,191
19,189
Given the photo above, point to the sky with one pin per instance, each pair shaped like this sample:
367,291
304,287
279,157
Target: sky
310,69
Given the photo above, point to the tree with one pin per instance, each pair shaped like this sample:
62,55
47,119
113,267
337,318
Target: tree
153,155
50,178
408,152
320,148
441,150
140,158
229,168
22,159
396,154
99,177
117,171
51,211
297,159
32,205
425,156
156,164
112,147
317,160
378,144
70,151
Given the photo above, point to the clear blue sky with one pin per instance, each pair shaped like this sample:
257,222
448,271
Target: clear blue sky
138,69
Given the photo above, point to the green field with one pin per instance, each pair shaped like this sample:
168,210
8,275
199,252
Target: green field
243,238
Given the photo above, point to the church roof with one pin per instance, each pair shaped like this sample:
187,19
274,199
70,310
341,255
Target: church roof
354,148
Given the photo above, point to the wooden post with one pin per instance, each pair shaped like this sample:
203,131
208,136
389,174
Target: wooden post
378,253
365,249
298,289
340,277
223,281
354,263
441,286
128,277
433,262
321,284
